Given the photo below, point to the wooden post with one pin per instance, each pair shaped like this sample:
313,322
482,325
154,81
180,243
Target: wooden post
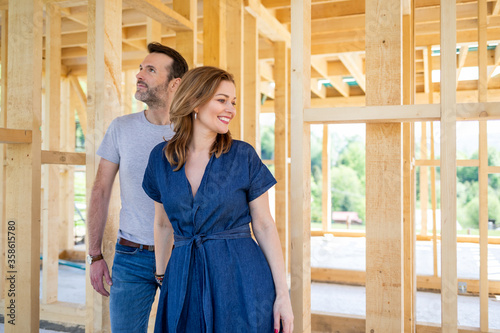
187,42
67,192
214,33
448,168
128,90
409,236
326,197
51,135
483,167
281,144
251,79
153,30
103,105
234,40
424,186
3,158
384,214
300,200
22,274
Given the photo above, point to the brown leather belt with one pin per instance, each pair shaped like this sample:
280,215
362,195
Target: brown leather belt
123,241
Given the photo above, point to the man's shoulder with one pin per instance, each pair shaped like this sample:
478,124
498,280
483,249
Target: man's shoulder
129,118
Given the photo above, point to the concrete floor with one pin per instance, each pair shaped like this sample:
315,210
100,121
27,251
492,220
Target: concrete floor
346,253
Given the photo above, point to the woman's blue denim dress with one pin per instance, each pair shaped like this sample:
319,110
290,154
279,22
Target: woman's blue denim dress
217,279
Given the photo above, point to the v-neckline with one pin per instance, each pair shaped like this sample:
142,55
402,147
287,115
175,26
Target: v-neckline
190,188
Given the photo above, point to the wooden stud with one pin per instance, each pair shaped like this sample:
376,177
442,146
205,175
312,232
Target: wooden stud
153,31
434,207
22,274
409,235
300,200
214,33
128,91
424,180
82,98
281,144
235,61
3,157
251,80
384,215
326,197
483,168
103,105
67,188
187,42
51,136
448,168
464,50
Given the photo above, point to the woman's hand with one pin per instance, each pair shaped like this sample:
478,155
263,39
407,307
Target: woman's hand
282,312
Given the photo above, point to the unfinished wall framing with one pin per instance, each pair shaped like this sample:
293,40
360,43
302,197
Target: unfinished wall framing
84,54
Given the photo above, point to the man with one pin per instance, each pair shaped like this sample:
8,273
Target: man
126,146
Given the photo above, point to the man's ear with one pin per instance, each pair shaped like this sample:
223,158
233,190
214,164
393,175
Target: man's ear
174,84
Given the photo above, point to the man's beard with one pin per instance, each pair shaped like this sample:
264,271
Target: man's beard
153,96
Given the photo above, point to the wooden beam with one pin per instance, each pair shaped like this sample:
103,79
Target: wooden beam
354,65
103,105
448,169
251,82
156,10
51,134
214,33
153,31
82,98
326,194
300,200
8,135
281,145
4,23
409,233
318,89
483,167
186,42
23,169
62,157
384,215
464,49
268,24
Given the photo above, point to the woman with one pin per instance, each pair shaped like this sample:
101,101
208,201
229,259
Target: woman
207,189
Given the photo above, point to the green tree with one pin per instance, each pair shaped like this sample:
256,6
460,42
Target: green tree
348,192
267,142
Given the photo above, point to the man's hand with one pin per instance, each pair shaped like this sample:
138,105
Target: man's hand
97,270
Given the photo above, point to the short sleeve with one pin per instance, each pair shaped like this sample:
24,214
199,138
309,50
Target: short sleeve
150,183
109,149
261,179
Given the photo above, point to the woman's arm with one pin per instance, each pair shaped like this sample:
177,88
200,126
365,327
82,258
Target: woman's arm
266,234
164,238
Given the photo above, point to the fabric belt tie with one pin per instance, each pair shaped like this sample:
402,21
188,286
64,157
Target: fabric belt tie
196,243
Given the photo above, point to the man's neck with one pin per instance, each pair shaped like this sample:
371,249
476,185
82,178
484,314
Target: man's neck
157,116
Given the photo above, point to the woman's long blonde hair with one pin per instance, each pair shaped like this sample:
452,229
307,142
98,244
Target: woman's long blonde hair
197,87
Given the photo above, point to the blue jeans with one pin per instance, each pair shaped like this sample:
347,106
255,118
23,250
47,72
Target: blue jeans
133,290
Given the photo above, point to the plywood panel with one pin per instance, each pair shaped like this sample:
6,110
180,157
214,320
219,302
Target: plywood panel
384,215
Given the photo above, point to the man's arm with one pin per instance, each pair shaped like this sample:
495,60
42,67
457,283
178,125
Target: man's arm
96,219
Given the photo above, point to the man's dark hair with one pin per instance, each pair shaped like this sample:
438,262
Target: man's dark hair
179,65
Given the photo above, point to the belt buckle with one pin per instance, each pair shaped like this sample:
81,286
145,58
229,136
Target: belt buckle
150,248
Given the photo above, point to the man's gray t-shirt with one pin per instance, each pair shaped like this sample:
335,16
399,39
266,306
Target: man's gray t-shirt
128,142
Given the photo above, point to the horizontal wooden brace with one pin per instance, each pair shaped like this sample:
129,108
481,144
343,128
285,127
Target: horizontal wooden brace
156,10
424,282
399,113
436,163
8,135
60,157
62,312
